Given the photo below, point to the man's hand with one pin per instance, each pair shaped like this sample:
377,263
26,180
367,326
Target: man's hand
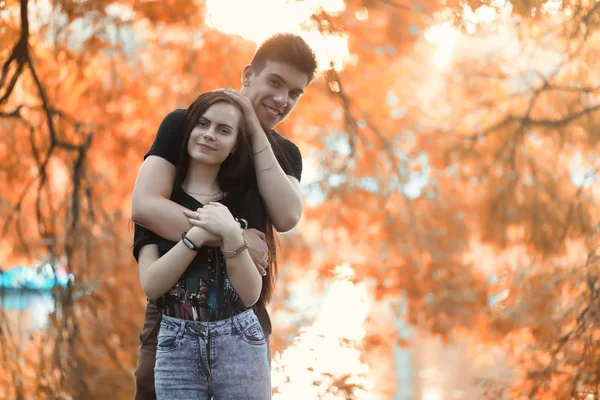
243,101
252,121
258,249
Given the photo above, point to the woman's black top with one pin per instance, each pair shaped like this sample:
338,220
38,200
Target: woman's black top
195,295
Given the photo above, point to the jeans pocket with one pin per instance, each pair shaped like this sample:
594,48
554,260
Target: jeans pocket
251,334
168,339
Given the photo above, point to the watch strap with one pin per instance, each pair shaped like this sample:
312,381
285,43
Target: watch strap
190,245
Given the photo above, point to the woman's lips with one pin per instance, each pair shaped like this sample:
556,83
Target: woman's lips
206,147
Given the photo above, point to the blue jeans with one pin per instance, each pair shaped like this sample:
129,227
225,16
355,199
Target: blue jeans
226,359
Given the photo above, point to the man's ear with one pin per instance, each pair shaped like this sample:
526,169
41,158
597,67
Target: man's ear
247,75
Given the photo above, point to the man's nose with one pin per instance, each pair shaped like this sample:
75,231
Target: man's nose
281,99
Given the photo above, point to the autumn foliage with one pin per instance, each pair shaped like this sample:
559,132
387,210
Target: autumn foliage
464,194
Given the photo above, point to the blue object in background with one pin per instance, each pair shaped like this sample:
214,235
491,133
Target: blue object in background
42,277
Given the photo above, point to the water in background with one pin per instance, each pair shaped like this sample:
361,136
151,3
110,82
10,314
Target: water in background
25,311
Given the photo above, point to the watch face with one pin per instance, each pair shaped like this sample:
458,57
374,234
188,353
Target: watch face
188,243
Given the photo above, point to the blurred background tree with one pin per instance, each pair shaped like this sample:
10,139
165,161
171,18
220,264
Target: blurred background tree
450,161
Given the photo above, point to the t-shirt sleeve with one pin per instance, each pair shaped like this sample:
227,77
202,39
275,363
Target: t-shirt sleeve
167,143
141,238
293,166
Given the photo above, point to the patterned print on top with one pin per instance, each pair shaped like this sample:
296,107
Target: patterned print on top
194,295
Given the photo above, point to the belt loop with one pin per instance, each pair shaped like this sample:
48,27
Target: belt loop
240,319
181,329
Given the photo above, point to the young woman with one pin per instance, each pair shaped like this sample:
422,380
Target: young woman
210,342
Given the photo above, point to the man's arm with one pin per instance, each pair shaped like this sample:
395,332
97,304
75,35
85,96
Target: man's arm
151,204
280,192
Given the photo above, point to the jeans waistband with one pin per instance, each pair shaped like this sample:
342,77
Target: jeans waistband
182,326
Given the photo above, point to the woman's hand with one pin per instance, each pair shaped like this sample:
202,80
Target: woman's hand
211,240
201,237
217,219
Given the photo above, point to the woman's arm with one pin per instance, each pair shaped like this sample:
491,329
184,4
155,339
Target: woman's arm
159,274
241,271
245,279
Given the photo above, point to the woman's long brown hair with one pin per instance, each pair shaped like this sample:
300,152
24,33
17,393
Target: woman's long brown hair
237,175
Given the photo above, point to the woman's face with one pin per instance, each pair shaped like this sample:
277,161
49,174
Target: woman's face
214,137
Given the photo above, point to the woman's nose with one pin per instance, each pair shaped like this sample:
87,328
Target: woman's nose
208,135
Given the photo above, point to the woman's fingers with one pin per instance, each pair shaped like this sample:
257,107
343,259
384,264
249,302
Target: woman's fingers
192,214
196,222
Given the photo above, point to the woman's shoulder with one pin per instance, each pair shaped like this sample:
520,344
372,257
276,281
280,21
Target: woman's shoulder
240,198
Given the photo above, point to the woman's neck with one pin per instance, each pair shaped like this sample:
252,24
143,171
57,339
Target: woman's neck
201,179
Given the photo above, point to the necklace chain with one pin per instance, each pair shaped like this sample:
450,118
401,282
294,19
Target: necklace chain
203,194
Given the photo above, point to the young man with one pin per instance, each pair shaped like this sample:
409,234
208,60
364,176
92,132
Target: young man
272,85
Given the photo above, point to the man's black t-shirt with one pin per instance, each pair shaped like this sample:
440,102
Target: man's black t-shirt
168,145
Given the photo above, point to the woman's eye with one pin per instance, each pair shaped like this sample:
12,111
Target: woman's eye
275,83
225,131
202,123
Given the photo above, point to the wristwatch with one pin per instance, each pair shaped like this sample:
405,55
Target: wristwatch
190,245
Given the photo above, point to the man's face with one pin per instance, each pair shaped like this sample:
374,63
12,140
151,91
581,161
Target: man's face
274,91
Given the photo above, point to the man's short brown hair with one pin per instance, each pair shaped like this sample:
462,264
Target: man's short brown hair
288,48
